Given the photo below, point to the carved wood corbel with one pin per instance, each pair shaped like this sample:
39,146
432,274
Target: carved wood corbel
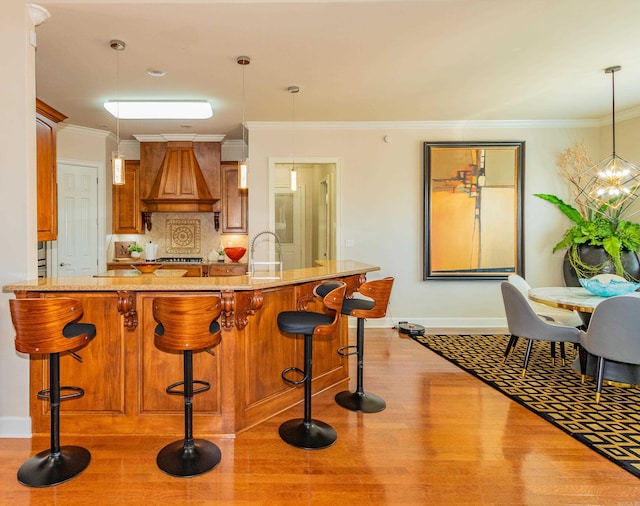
127,308
247,303
226,314
238,306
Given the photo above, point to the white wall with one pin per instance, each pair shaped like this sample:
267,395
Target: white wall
17,203
382,208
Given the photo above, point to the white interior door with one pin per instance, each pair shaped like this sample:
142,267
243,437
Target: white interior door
289,225
77,244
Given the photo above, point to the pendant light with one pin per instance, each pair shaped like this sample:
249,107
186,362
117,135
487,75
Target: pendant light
243,165
117,160
293,175
614,182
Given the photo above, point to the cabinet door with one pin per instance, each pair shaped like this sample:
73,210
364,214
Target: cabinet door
127,218
47,189
234,201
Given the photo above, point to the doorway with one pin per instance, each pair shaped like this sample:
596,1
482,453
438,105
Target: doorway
312,210
75,252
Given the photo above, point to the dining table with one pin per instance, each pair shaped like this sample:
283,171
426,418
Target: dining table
581,300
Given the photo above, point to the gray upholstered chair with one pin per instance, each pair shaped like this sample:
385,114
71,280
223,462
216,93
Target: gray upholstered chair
554,314
612,335
524,322
547,313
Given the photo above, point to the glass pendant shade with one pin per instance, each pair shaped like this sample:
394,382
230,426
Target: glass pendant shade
614,182
243,173
293,179
243,165
117,165
117,161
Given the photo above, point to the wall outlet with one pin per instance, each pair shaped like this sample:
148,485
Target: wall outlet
349,243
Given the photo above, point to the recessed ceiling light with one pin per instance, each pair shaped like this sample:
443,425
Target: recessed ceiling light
156,72
165,109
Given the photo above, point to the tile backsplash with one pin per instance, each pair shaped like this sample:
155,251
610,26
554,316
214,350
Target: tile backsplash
182,234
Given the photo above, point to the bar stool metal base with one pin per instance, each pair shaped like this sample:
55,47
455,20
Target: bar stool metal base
47,469
184,461
364,402
309,436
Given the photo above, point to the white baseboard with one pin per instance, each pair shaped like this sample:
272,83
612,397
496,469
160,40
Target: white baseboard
442,325
15,427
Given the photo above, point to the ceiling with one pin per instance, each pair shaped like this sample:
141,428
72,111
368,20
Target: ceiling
354,61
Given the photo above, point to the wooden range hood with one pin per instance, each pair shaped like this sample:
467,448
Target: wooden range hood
180,185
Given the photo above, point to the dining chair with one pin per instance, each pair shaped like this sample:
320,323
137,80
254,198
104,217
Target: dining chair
612,336
547,313
524,322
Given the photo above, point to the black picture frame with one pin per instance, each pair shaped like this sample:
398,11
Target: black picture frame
473,206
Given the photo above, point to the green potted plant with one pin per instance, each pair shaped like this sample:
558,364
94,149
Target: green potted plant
615,239
135,250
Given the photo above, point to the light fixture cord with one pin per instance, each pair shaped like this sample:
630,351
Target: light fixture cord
293,129
118,103
244,144
613,111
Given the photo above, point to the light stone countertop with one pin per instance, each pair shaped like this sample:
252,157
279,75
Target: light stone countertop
576,298
111,283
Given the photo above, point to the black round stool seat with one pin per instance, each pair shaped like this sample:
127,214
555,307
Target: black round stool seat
349,305
307,432
301,322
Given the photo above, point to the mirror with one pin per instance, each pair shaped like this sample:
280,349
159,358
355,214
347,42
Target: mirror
473,209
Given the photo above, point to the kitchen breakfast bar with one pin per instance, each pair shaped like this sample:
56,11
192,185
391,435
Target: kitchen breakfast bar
124,374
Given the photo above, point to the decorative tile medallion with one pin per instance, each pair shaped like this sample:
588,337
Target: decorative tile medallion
183,236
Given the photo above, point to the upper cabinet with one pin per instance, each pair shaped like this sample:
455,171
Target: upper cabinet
47,190
234,202
127,217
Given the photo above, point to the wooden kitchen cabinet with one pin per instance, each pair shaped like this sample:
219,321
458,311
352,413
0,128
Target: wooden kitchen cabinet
46,176
234,202
127,217
224,269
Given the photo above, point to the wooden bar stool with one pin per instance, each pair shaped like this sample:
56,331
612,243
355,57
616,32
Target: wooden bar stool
375,306
187,324
49,327
307,432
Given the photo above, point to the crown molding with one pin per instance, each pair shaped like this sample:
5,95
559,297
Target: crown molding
425,125
234,143
632,113
93,132
179,137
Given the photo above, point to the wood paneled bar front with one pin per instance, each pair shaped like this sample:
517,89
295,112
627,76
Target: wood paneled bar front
124,374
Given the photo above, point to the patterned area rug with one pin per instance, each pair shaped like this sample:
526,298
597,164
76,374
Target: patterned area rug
554,392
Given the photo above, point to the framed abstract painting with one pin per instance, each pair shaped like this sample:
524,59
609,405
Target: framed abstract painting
473,209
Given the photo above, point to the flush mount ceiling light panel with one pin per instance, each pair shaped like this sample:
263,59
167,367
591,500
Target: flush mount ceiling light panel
160,109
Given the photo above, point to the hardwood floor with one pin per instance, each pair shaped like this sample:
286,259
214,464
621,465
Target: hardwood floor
445,438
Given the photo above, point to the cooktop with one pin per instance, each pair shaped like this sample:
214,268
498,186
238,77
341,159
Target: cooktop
180,260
